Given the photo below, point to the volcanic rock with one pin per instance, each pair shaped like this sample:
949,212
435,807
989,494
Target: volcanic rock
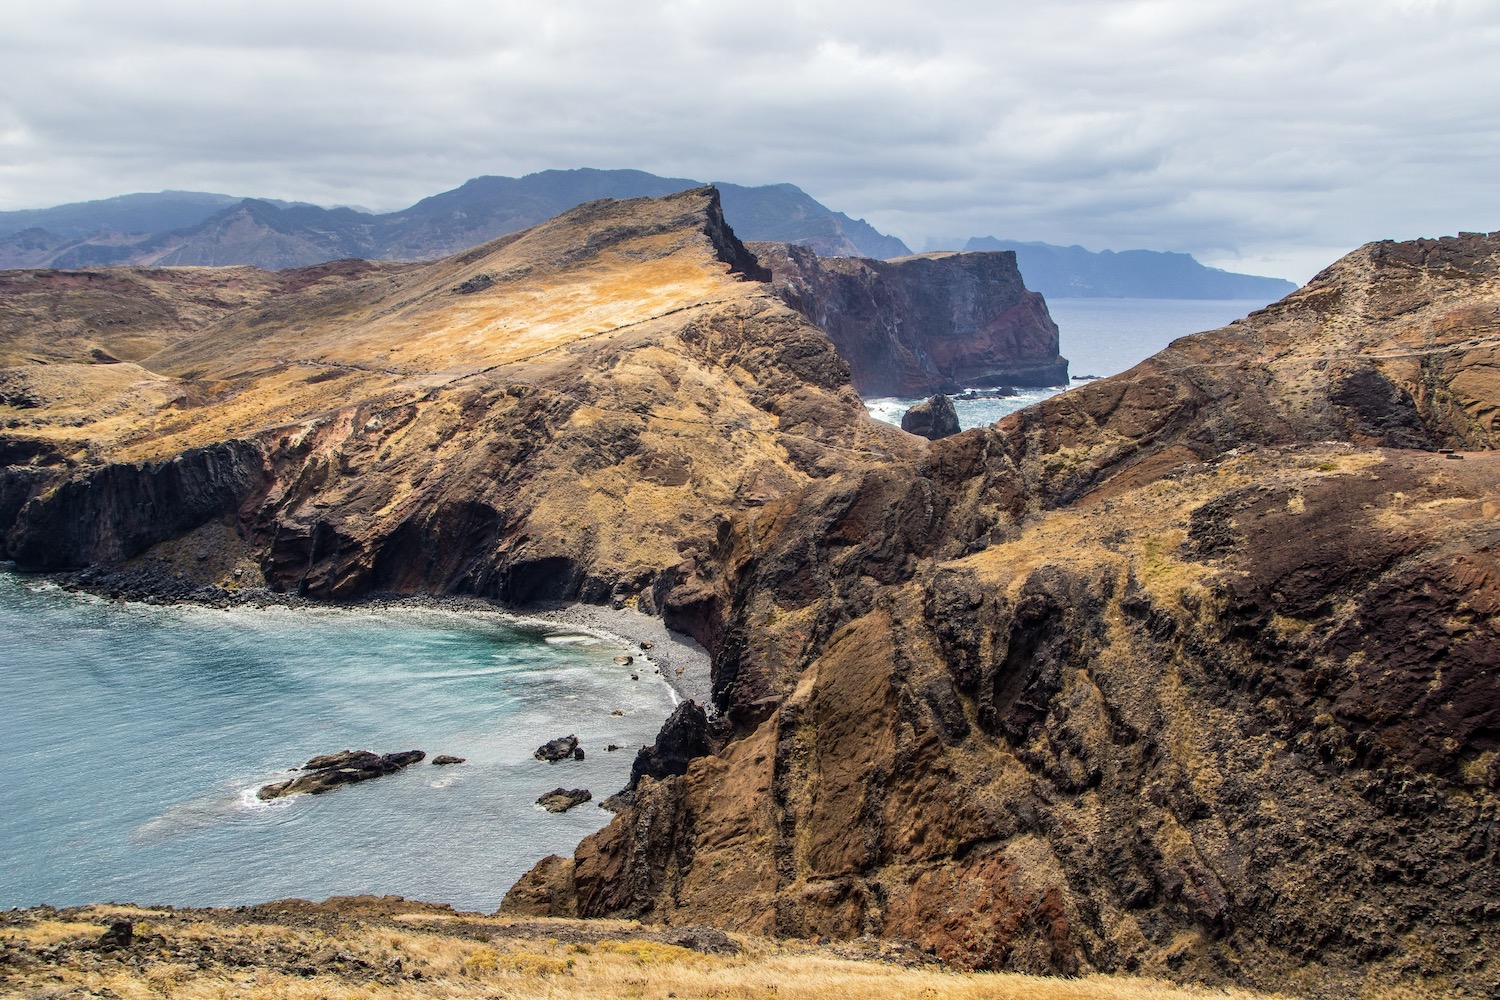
444,759
562,748
343,768
562,799
1188,671
683,737
932,418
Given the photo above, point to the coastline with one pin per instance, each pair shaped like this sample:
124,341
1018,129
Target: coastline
680,661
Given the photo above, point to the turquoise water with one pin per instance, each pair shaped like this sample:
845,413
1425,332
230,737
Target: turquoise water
134,738
1098,337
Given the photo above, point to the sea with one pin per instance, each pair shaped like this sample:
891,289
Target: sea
1099,337
133,738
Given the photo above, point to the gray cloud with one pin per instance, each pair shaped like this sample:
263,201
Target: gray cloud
1263,137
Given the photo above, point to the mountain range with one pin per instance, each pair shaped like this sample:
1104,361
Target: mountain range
196,228
191,228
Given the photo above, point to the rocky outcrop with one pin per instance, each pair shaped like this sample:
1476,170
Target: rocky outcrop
931,322
560,800
684,736
347,767
933,418
562,748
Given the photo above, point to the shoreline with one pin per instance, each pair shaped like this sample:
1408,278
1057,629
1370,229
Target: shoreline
680,661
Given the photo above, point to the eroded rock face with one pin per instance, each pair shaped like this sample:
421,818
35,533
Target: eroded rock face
1210,696
931,322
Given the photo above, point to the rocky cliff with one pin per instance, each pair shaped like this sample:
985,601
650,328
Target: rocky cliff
1190,671
938,322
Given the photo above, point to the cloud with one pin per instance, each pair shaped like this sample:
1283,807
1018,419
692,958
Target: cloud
1235,130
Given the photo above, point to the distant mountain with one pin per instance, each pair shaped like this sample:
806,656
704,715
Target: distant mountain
128,213
1073,272
180,228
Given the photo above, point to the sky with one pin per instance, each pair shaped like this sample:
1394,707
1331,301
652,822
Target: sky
1261,136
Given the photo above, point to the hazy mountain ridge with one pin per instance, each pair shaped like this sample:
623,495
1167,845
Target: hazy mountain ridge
192,228
1073,272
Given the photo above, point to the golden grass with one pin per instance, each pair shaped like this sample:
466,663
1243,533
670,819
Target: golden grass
438,962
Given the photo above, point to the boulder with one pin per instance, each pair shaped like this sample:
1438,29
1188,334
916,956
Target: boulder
932,419
562,799
443,758
562,748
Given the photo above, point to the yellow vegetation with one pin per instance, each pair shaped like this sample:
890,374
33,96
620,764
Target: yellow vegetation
443,959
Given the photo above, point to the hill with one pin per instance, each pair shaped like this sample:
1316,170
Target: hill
188,229
1073,272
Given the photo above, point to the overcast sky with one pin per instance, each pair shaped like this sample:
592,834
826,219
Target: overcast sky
1260,136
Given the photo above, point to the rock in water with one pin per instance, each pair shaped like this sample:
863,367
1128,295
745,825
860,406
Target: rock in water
562,799
346,767
683,736
562,748
443,759
932,419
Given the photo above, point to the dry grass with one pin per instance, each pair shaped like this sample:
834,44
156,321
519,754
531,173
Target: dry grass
208,955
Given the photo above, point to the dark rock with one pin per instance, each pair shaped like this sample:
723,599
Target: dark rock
346,767
478,283
562,748
443,758
683,737
562,799
120,935
935,418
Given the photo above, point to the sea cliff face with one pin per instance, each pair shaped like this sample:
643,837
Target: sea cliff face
1189,671
937,322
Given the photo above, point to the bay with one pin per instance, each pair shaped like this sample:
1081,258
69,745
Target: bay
135,736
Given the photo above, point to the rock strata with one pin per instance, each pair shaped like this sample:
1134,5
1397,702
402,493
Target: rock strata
346,767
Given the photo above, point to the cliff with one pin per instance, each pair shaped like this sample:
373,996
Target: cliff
1189,671
940,322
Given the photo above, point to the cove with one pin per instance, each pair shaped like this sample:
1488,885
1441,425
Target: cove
136,735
